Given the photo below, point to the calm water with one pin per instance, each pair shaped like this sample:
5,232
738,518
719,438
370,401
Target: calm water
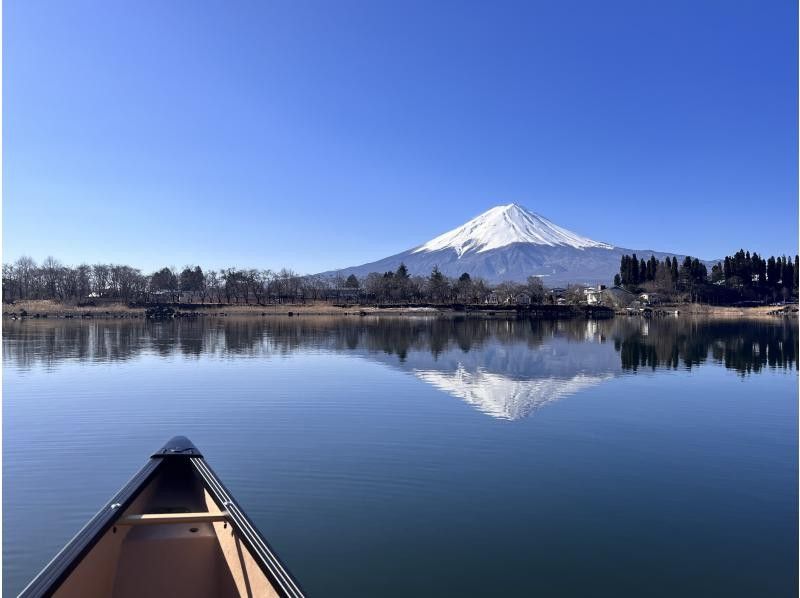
399,457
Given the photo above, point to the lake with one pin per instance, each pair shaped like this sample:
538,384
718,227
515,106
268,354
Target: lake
398,456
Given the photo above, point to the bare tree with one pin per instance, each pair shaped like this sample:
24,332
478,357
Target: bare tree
51,270
535,288
213,286
10,283
83,280
463,288
101,278
26,271
574,294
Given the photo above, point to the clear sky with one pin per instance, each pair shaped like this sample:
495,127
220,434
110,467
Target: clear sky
316,135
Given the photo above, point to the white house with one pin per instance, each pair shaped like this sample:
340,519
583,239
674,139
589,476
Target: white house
594,295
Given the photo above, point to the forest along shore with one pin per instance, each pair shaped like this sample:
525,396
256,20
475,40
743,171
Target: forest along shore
38,309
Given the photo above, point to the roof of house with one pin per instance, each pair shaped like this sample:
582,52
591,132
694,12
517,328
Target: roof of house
618,289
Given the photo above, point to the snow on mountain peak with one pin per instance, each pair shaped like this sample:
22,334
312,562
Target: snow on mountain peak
504,225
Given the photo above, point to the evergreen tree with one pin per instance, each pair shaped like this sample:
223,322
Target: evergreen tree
788,275
192,279
632,270
617,280
623,271
402,271
164,280
739,265
699,272
796,272
759,269
747,269
772,272
685,274
438,285
652,266
716,272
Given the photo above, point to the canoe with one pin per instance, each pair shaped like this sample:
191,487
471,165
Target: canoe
173,530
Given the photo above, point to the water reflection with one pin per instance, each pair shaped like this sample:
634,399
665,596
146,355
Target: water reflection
742,346
506,368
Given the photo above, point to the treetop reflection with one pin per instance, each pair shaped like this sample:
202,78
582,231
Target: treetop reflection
506,368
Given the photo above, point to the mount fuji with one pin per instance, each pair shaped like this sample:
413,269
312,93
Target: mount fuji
510,243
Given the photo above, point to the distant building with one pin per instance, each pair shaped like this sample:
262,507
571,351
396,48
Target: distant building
650,298
523,299
594,295
492,299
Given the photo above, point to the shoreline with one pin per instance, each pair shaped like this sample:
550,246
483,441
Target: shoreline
731,312
45,309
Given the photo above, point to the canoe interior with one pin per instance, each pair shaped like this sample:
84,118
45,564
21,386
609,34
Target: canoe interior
193,558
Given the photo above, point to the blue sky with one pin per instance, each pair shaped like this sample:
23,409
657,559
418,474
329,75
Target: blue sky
315,135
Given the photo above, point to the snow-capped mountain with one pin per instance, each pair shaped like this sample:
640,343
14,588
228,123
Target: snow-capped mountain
506,225
509,242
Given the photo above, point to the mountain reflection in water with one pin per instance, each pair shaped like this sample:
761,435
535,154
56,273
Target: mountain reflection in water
505,368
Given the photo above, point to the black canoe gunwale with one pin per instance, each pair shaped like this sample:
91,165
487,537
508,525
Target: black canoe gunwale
63,564
60,567
271,565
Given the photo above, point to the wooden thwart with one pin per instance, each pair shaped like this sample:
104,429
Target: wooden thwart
162,518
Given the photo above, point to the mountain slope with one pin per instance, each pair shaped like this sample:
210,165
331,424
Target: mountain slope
511,243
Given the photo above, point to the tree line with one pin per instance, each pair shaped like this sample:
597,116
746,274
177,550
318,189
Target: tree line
24,279
742,276
400,286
